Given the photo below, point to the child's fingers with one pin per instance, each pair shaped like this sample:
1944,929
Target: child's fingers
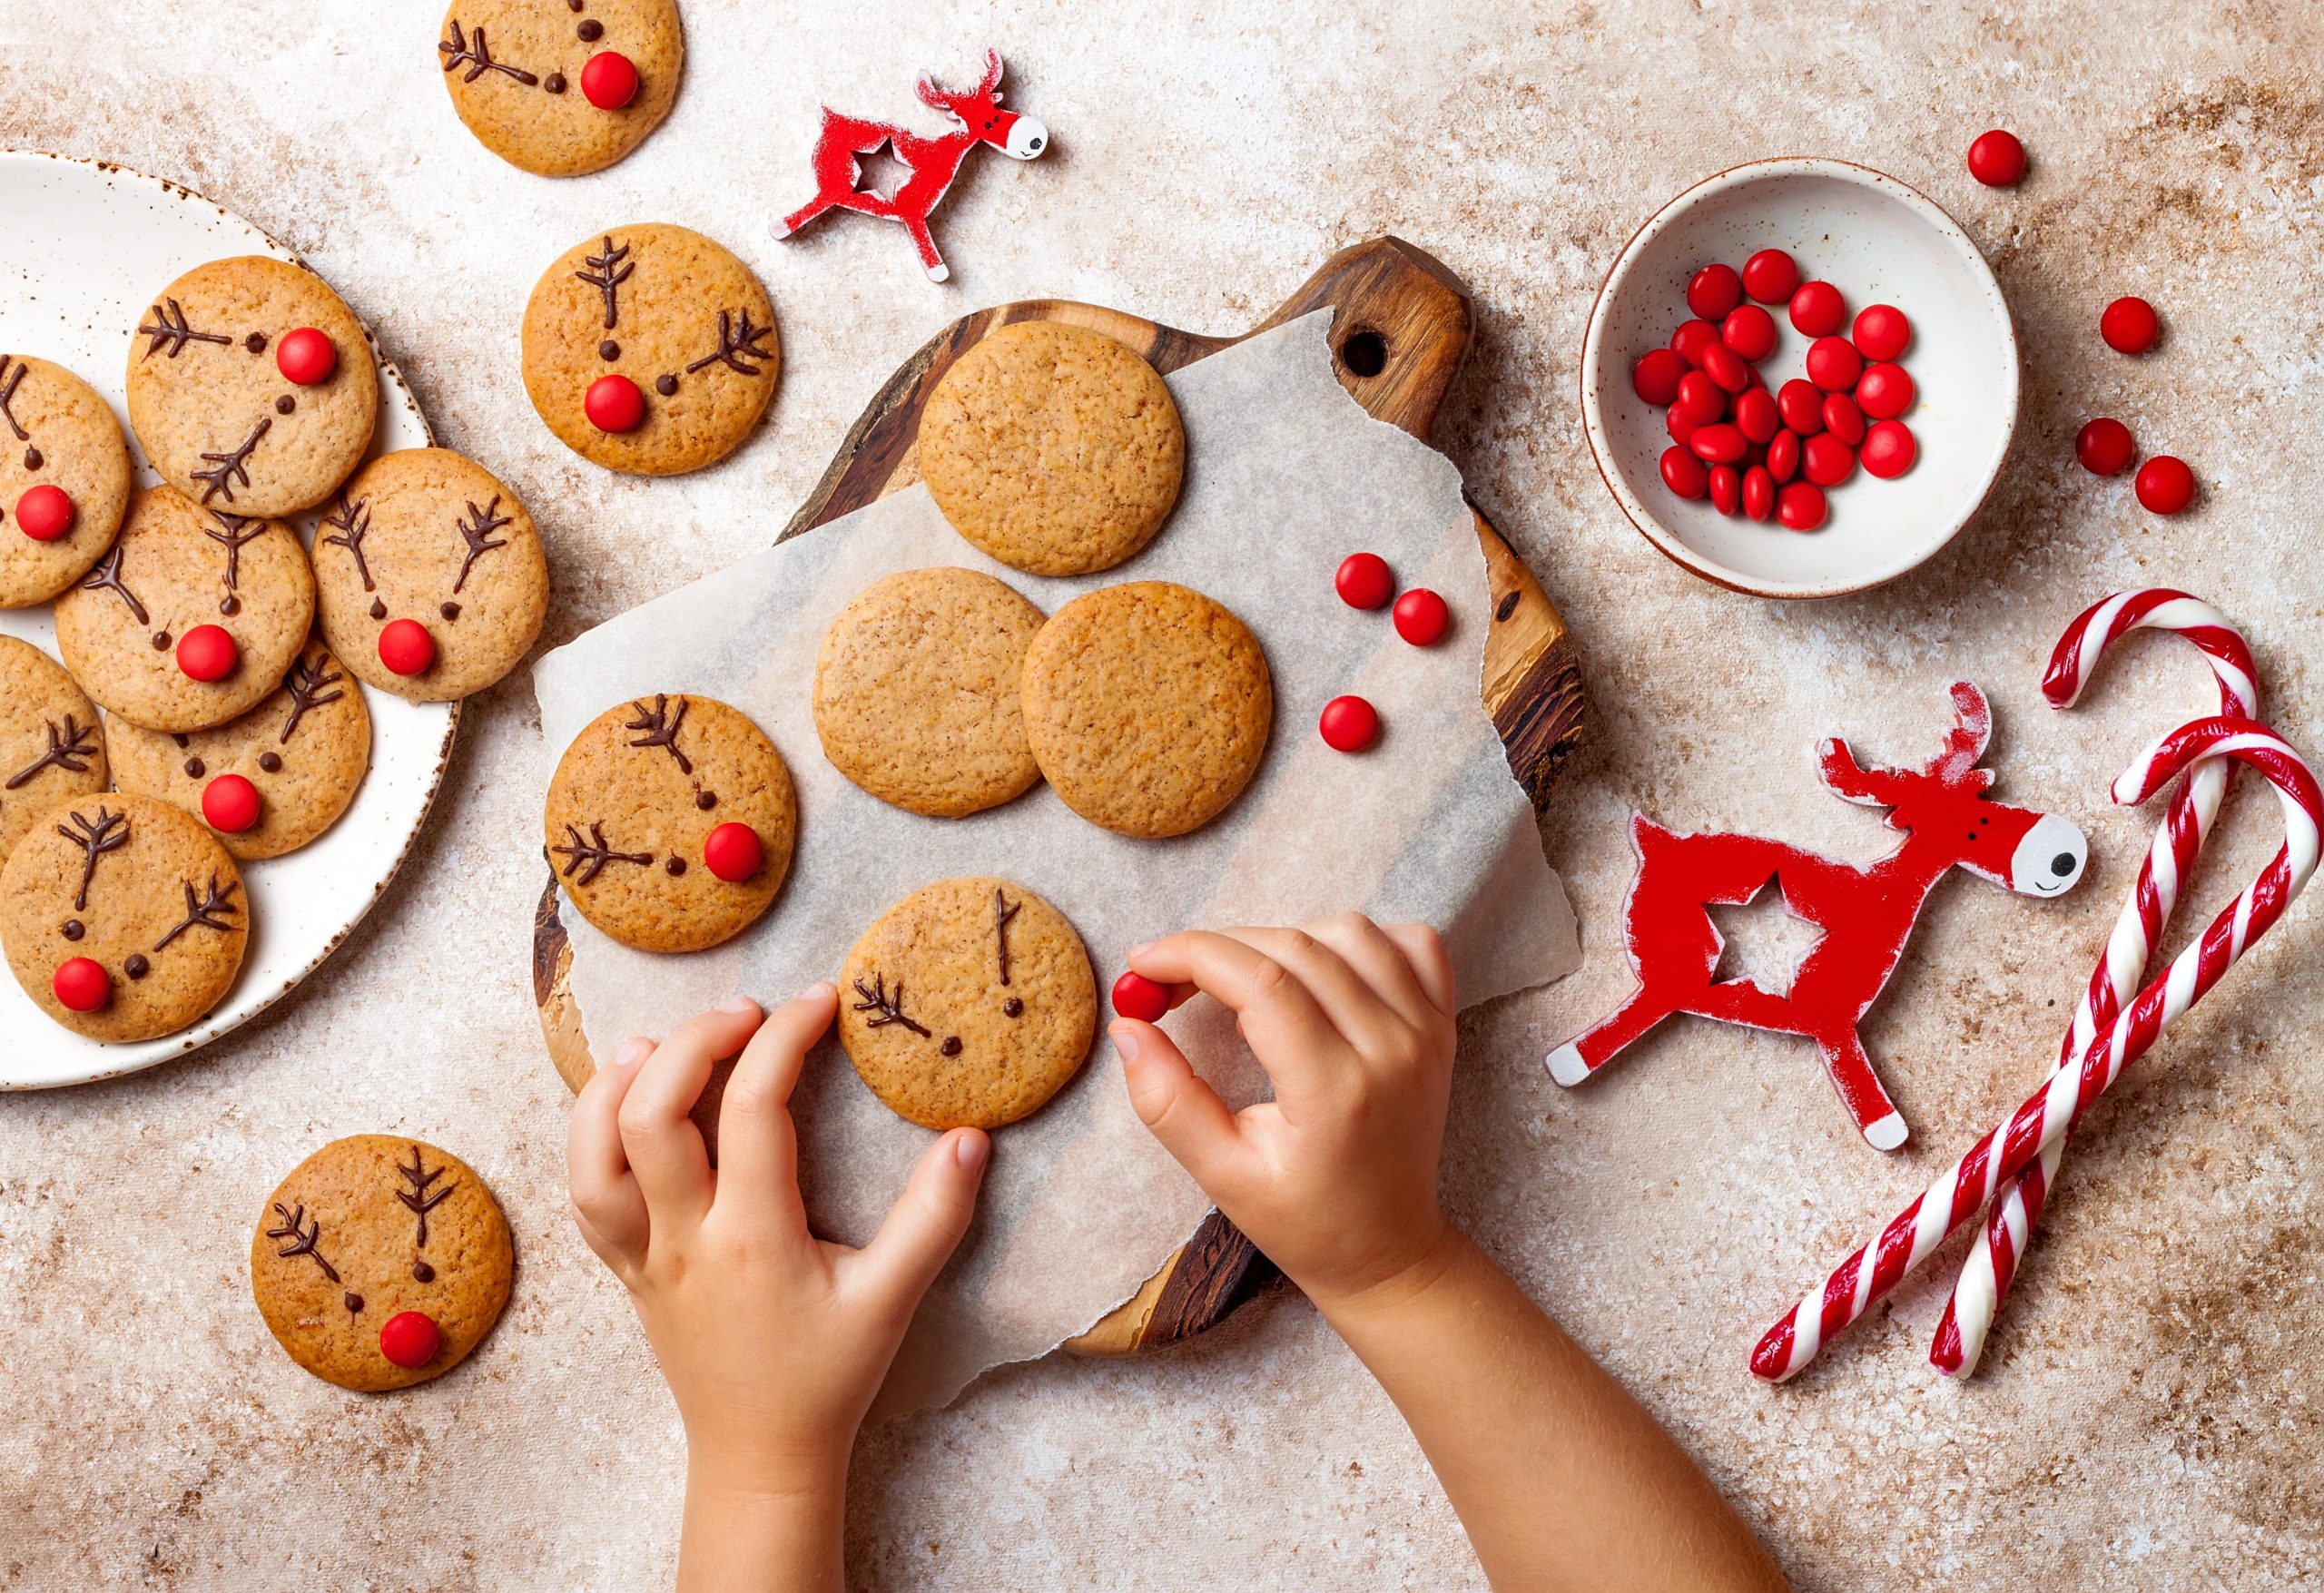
664,1146
929,1219
1177,1107
1284,1027
758,1150
1354,1009
604,1195
1379,962
1423,949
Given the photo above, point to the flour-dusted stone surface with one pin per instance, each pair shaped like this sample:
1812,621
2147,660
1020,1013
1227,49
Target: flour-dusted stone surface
513,68
427,535
370,1227
175,566
304,748
1054,448
2149,1418
918,693
211,405
52,745
968,1004
61,433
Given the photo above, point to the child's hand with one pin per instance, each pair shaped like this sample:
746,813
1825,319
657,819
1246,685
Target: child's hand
1335,1178
773,1340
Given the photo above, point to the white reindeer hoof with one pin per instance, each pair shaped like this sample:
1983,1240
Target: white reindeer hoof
778,228
1566,1065
1888,1134
939,271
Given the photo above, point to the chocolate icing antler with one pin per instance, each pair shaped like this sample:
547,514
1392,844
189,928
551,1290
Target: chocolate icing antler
416,1198
302,1240
608,280
175,331
305,682
8,397
738,343
472,52
1003,910
109,833
476,531
106,577
232,467
661,728
891,1009
234,530
352,520
206,913
591,856
69,750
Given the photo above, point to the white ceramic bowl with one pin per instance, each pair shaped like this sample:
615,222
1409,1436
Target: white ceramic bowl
1879,242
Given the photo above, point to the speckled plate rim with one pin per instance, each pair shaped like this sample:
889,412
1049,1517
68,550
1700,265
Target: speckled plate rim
42,1055
1593,420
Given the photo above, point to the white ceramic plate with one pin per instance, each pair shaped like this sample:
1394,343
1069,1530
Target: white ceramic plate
1879,241
90,245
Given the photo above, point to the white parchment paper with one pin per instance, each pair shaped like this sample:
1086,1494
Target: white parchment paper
1287,475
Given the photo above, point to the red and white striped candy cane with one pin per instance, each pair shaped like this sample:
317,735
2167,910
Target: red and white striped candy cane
2049,1112
2001,1244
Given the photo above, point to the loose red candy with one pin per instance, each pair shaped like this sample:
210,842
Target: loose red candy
1885,391
2105,447
609,80
1420,616
1783,456
1756,415
1726,488
81,985
1771,275
2165,485
1364,581
1801,404
1881,331
1749,331
732,851
1136,996
1719,444
406,647
1692,339
1800,506
1682,473
44,513
1655,376
411,1339
1680,425
614,404
1997,159
1890,450
2128,325
207,652
1825,460
1833,364
1724,366
1700,398
1715,291
305,357
1348,725
1843,419
1818,309
1759,493
230,804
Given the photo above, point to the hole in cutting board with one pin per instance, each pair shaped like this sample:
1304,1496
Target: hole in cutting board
1365,353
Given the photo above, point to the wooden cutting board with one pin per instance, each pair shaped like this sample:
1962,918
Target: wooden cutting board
1400,330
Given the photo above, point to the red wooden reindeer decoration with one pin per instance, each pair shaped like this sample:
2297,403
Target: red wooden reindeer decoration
931,162
1866,910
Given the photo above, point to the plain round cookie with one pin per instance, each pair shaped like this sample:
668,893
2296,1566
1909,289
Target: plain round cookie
364,1229
1055,449
429,536
918,692
672,312
1147,707
305,748
62,434
968,1005
51,748
211,407
141,889
513,71
173,567
633,801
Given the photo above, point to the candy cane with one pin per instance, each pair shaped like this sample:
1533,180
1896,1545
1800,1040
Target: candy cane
1994,1258
2045,1116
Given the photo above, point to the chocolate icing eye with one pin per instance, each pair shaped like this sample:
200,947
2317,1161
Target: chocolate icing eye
1013,1007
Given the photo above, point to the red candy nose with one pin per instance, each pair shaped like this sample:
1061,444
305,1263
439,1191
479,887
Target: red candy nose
81,985
207,652
306,357
406,647
732,852
230,804
411,1339
1136,996
45,513
609,80
614,404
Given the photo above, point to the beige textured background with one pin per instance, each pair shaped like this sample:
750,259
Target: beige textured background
2153,1411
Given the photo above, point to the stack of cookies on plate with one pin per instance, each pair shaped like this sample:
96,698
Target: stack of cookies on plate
222,656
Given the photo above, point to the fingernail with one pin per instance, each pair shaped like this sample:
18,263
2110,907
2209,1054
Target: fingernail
632,1050
1125,1038
738,1004
1141,946
818,991
970,1150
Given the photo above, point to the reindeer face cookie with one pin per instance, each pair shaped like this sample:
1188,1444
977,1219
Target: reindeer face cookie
969,1004
650,348
562,87
380,1262
51,749
252,387
64,479
192,617
123,917
429,577
670,823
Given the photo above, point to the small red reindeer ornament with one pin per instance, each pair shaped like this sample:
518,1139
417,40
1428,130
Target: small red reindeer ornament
931,162
1866,910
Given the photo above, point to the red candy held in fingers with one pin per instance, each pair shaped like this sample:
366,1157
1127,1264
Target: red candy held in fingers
1136,996
305,357
732,851
81,985
1756,415
1800,506
609,80
1701,400
1825,460
614,404
1364,581
1997,159
1749,331
1348,725
44,513
406,647
207,652
230,804
1683,474
1883,391
411,1339
1833,364
1802,406
2128,325
1655,376
1881,331
1724,366
2164,485
1783,456
2105,447
1420,616
1818,309
1718,443
1843,419
1890,450
1692,339
1770,276
1759,493
1715,291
